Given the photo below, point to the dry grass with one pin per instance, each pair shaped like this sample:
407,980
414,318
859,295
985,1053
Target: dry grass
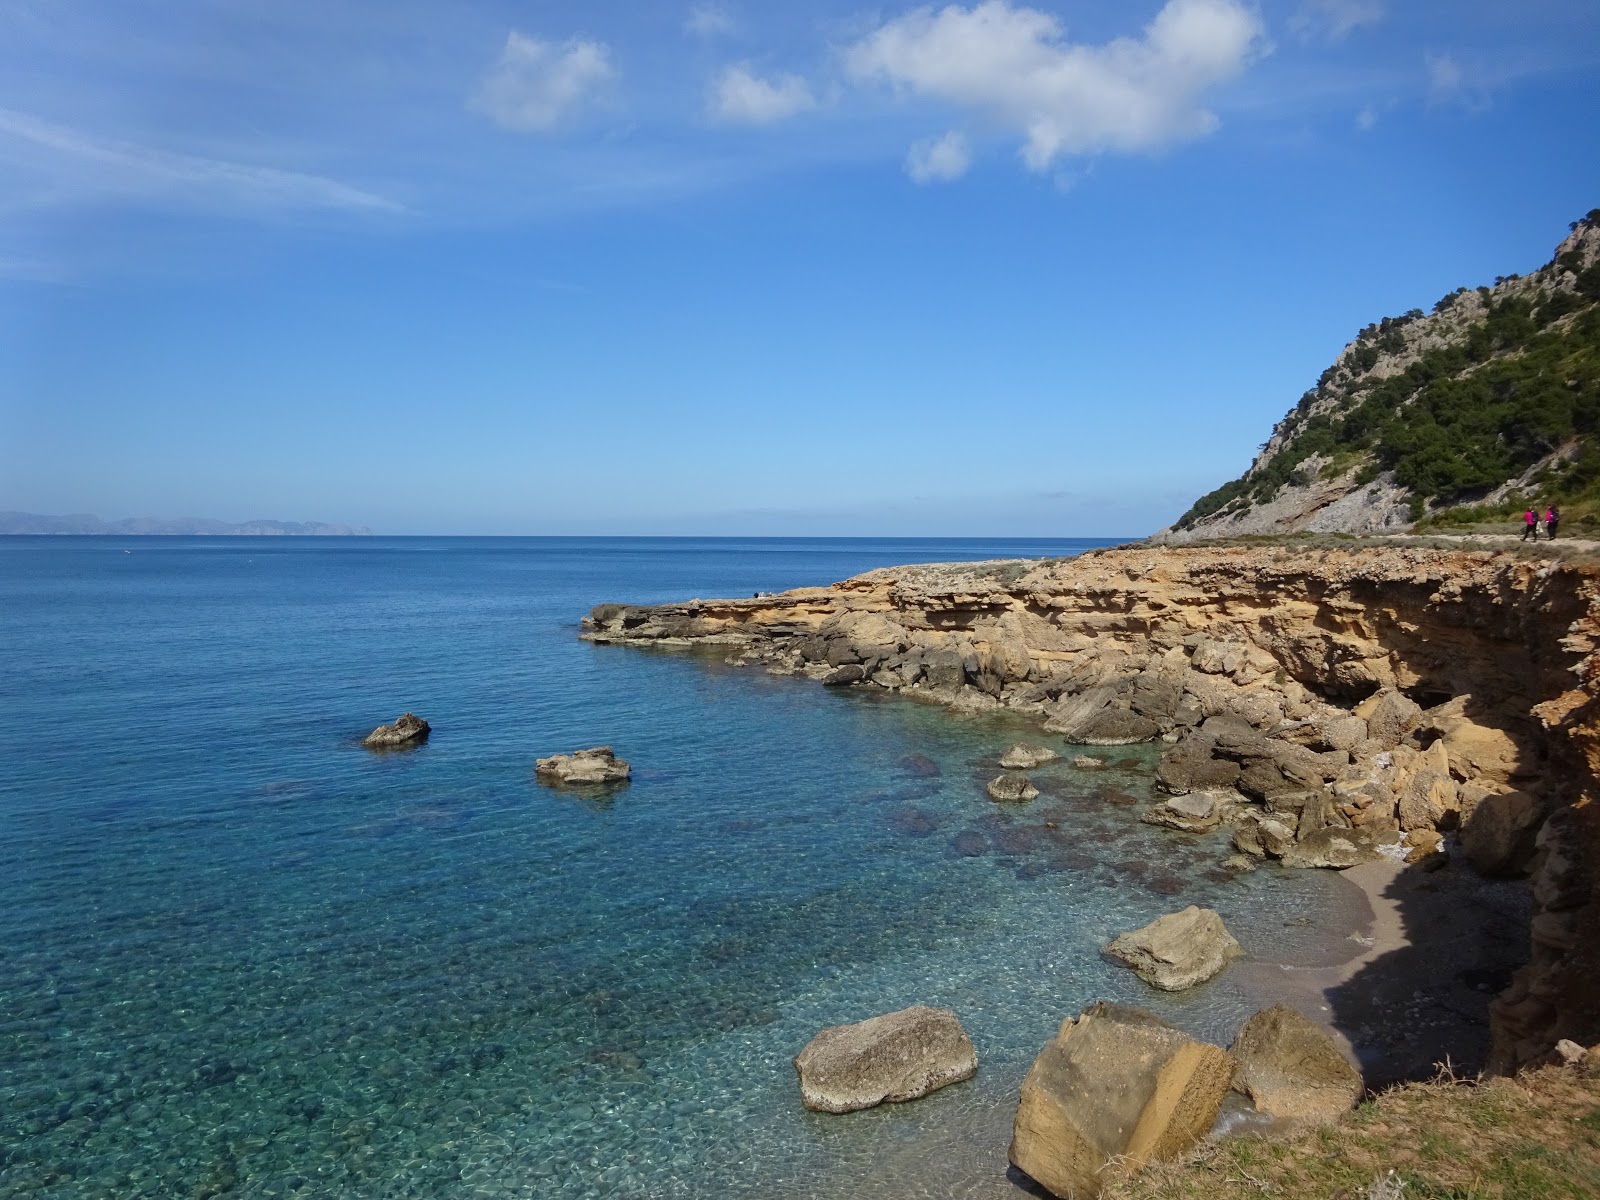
1533,1138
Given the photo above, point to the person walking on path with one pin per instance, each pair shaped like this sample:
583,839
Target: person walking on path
1530,520
1552,518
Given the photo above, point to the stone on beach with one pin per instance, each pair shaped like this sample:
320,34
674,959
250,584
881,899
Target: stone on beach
598,765
1115,1089
1023,756
1011,788
1179,950
1498,834
889,1059
1336,849
1291,1068
405,731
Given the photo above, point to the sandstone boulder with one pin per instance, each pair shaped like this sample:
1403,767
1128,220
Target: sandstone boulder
1011,788
889,1059
407,730
845,675
1115,1089
1088,762
1190,765
1022,756
1291,1068
1115,727
1195,812
1389,716
1499,835
598,765
1179,950
1334,848
1428,800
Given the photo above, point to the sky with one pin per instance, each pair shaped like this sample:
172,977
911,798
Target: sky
1047,268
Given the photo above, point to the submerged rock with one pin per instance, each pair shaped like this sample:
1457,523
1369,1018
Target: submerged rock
1179,950
1088,762
1024,756
407,730
1011,788
1115,1089
598,765
889,1059
1291,1068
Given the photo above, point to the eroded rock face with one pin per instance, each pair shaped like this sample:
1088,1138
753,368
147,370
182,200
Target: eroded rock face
889,1059
1359,689
407,730
1291,1068
1024,757
585,767
1179,950
1115,1089
1011,788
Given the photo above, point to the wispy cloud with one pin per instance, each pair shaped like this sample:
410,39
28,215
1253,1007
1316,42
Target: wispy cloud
1334,20
76,166
939,160
537,86
709,20
1450,84
740,97
1014,67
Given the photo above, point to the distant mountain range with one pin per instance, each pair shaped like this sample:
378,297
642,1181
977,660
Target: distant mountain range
83,523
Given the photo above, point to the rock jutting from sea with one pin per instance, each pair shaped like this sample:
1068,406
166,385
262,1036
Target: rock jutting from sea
1317,703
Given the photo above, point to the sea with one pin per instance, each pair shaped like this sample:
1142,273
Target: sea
245,957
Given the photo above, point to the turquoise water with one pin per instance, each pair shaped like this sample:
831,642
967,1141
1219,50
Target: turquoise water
246,957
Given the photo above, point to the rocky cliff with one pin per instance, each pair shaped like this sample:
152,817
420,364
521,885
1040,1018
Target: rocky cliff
1491,400
1316,704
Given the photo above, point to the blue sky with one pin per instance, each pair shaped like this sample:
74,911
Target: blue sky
812,268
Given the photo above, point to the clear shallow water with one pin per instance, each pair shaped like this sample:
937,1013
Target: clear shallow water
245,957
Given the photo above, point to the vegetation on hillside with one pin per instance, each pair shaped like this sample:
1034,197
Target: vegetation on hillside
1536,1137
1516,386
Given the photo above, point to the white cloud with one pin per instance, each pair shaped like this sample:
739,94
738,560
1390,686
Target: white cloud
1334,20
939,160
536,86
79,166
709,20
1449,83
740,97
1367,119
1015,67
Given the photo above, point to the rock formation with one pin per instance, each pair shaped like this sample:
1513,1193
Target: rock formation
407,730
1177,951
889,1059
1117,1088
1011,788
583,767
1325,700
1290,1068
1024,757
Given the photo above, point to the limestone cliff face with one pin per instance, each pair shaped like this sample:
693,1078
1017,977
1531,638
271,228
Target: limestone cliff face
1332,466
1310,699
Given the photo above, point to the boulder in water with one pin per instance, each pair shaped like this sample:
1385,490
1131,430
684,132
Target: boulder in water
1179,950
598,765
889,1059
1117,1088
1011,788
407,730
1023,756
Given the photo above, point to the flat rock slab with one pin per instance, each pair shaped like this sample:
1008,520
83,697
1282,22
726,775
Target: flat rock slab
889,1059
407,730
1117,1088
598,765
1335,849
1011,788
1179,950
1022,756
1291,1068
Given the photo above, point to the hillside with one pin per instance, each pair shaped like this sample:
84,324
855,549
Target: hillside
84,523
1461,416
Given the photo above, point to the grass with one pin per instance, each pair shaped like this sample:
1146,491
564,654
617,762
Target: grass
1536,1137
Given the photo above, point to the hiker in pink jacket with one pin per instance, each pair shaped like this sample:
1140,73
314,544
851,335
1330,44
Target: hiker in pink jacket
1531,521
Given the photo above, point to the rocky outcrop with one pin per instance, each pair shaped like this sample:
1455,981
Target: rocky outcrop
585,767
407,730
1023,757
1011,788
1328,700
1115,1089
1177,951
889,1059
1290,1068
